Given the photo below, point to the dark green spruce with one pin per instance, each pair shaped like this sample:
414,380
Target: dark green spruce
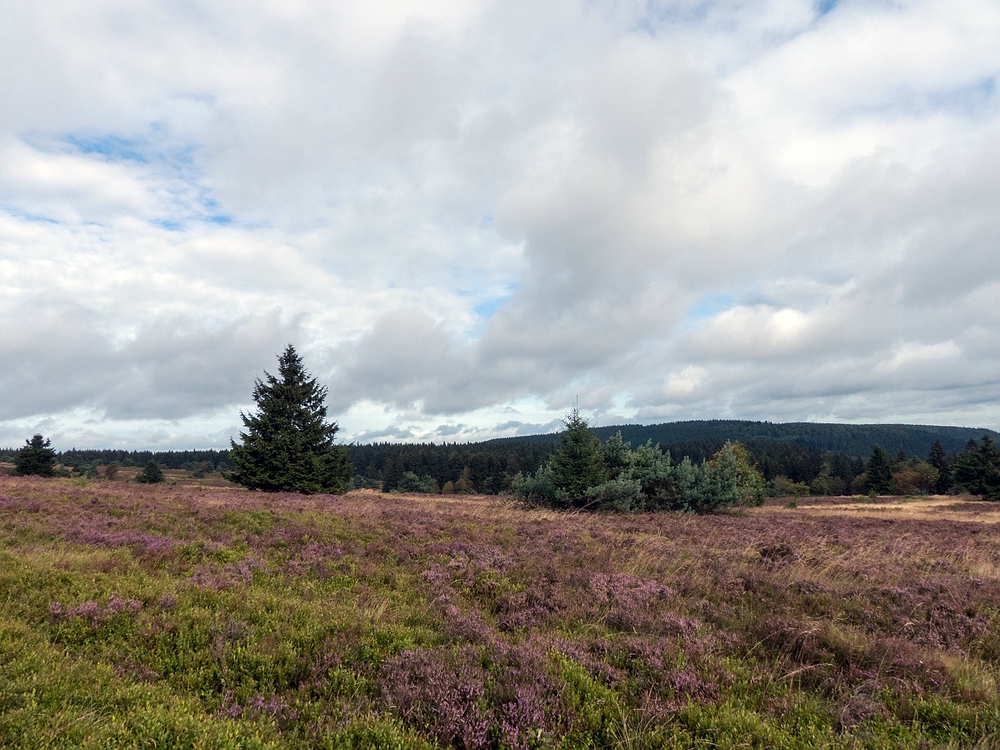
288,445
578,463
939,460
879,472
978,469
152,474
36,457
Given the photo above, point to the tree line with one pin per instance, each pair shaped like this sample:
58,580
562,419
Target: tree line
288,444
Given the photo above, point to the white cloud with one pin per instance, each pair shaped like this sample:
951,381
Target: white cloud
460,208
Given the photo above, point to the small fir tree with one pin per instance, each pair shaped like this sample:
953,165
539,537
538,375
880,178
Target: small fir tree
577,464
152,474
36,457
288,445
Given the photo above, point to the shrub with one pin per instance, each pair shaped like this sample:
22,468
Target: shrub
641,480
918,479
463,485
410,482
536,489
152,474
622,495
782,486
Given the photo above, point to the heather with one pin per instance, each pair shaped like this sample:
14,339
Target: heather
183,616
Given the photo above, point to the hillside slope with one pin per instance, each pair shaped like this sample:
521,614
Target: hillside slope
852,439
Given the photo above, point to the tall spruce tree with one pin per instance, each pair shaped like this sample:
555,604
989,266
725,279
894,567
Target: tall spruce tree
879,472
288,445
978,469
577,464
36,457
939,460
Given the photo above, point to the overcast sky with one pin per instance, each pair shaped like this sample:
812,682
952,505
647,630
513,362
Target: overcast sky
466,215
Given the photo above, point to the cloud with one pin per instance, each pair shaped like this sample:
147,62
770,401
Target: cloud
170,370
669,210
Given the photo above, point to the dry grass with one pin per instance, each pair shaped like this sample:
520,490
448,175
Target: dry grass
927,508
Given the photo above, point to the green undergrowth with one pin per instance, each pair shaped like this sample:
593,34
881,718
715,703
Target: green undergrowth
180,619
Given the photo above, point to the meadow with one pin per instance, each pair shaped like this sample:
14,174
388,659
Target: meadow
186,616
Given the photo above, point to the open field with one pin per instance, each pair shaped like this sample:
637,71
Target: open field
932,508
186,616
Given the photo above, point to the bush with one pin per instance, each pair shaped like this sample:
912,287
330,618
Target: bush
782,486
613,477
463,485
918,479
621,495
152,474
536,489
410,482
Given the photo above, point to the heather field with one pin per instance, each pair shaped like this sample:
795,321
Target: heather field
188,616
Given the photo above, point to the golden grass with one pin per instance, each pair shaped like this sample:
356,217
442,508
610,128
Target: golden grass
929,508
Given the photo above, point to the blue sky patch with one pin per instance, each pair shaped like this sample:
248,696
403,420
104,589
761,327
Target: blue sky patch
23,215
710,306
659,13
111,147
164,158
968,98
825,6
705,308
169,225
488,308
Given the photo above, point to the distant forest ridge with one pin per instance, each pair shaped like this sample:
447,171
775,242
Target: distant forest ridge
697,438
852,439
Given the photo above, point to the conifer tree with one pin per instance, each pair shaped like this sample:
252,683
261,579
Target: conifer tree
288,445
939,460
152,474
879,472
978,469
577,464
36,457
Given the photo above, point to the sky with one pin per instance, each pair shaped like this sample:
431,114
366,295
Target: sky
470,216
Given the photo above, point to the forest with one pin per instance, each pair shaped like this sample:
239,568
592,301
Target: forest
794,458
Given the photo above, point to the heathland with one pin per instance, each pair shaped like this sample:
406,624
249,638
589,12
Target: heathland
196,616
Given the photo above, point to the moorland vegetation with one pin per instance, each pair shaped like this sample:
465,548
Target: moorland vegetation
192,617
